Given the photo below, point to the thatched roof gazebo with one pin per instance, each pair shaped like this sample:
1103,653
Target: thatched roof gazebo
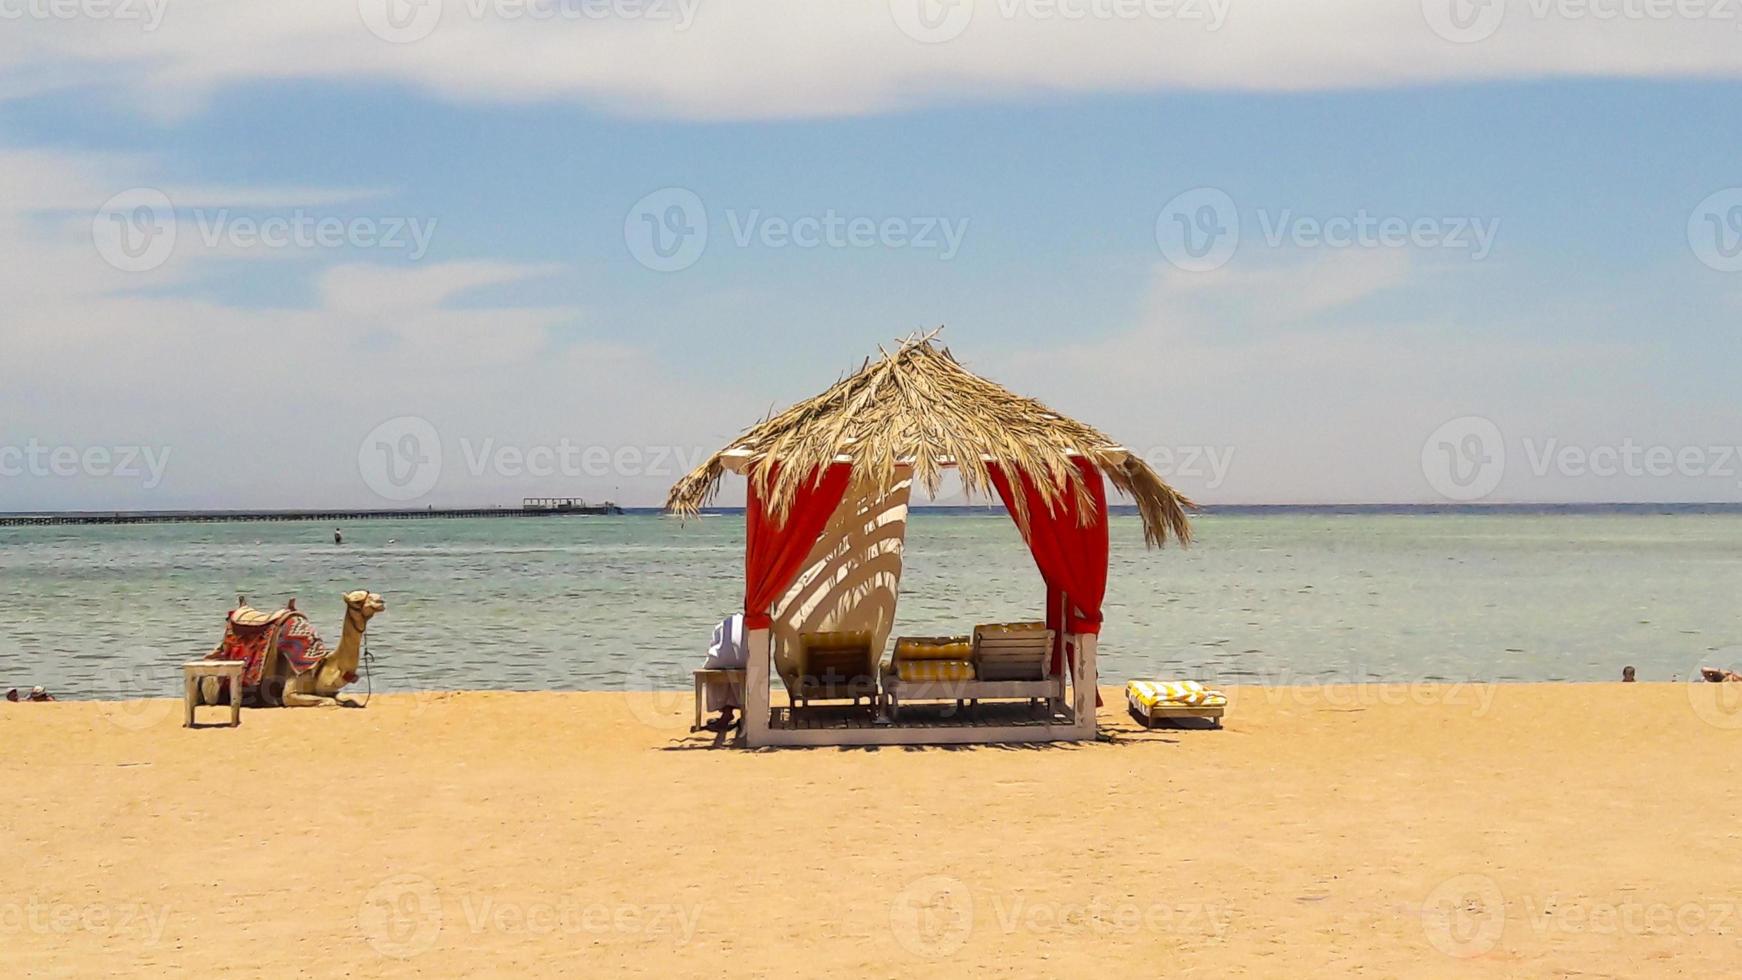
826,515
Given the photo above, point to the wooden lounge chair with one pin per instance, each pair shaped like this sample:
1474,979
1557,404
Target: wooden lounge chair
1013,651
834,667
1006,660
930,668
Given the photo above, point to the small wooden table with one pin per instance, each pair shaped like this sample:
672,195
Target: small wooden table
229,670
731,675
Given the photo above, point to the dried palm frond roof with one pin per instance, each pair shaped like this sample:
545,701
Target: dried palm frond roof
918,407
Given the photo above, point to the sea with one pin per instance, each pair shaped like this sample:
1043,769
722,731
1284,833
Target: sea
1277,596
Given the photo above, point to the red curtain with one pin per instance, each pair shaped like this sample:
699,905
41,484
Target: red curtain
1071,556
774,554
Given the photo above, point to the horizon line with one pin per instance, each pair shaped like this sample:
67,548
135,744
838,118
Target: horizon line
1202,508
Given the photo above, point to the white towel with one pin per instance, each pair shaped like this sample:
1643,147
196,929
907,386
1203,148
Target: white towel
727,652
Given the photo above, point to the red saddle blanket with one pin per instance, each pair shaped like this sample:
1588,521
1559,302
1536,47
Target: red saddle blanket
287,634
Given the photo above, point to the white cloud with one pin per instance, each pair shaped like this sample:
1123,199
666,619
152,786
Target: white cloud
773,58
1293,360
1287,368
268,406
374,289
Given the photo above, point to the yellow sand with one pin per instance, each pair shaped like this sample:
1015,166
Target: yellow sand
1419,831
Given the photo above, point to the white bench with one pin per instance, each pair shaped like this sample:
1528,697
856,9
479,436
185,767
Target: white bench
193,671
733,676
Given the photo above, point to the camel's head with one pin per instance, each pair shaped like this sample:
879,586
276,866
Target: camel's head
364,602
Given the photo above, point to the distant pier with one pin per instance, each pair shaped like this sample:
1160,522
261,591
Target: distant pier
530,507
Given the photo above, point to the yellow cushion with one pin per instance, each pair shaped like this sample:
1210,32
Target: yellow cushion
842,640
910,648
1185,694
984,628
934,670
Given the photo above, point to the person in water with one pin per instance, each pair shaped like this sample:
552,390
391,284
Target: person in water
338,536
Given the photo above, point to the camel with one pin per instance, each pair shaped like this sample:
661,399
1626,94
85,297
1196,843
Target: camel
323,674
320,687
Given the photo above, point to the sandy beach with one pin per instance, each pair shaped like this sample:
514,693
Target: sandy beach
1525,830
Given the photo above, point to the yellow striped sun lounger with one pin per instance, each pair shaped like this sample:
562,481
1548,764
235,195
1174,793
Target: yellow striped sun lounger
1151,700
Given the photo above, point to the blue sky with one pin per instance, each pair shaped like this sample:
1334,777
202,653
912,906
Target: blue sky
1592,318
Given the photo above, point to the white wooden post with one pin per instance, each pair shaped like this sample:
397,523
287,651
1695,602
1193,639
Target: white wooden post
1084,684
756,687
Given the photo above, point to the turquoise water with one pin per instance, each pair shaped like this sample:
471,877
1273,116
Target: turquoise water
604,603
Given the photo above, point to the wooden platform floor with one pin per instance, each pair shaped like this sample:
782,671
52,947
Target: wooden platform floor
987,714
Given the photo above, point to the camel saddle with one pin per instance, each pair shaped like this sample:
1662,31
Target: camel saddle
247,617
260,639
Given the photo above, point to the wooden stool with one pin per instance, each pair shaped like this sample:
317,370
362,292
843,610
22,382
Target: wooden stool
230,670
731,675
